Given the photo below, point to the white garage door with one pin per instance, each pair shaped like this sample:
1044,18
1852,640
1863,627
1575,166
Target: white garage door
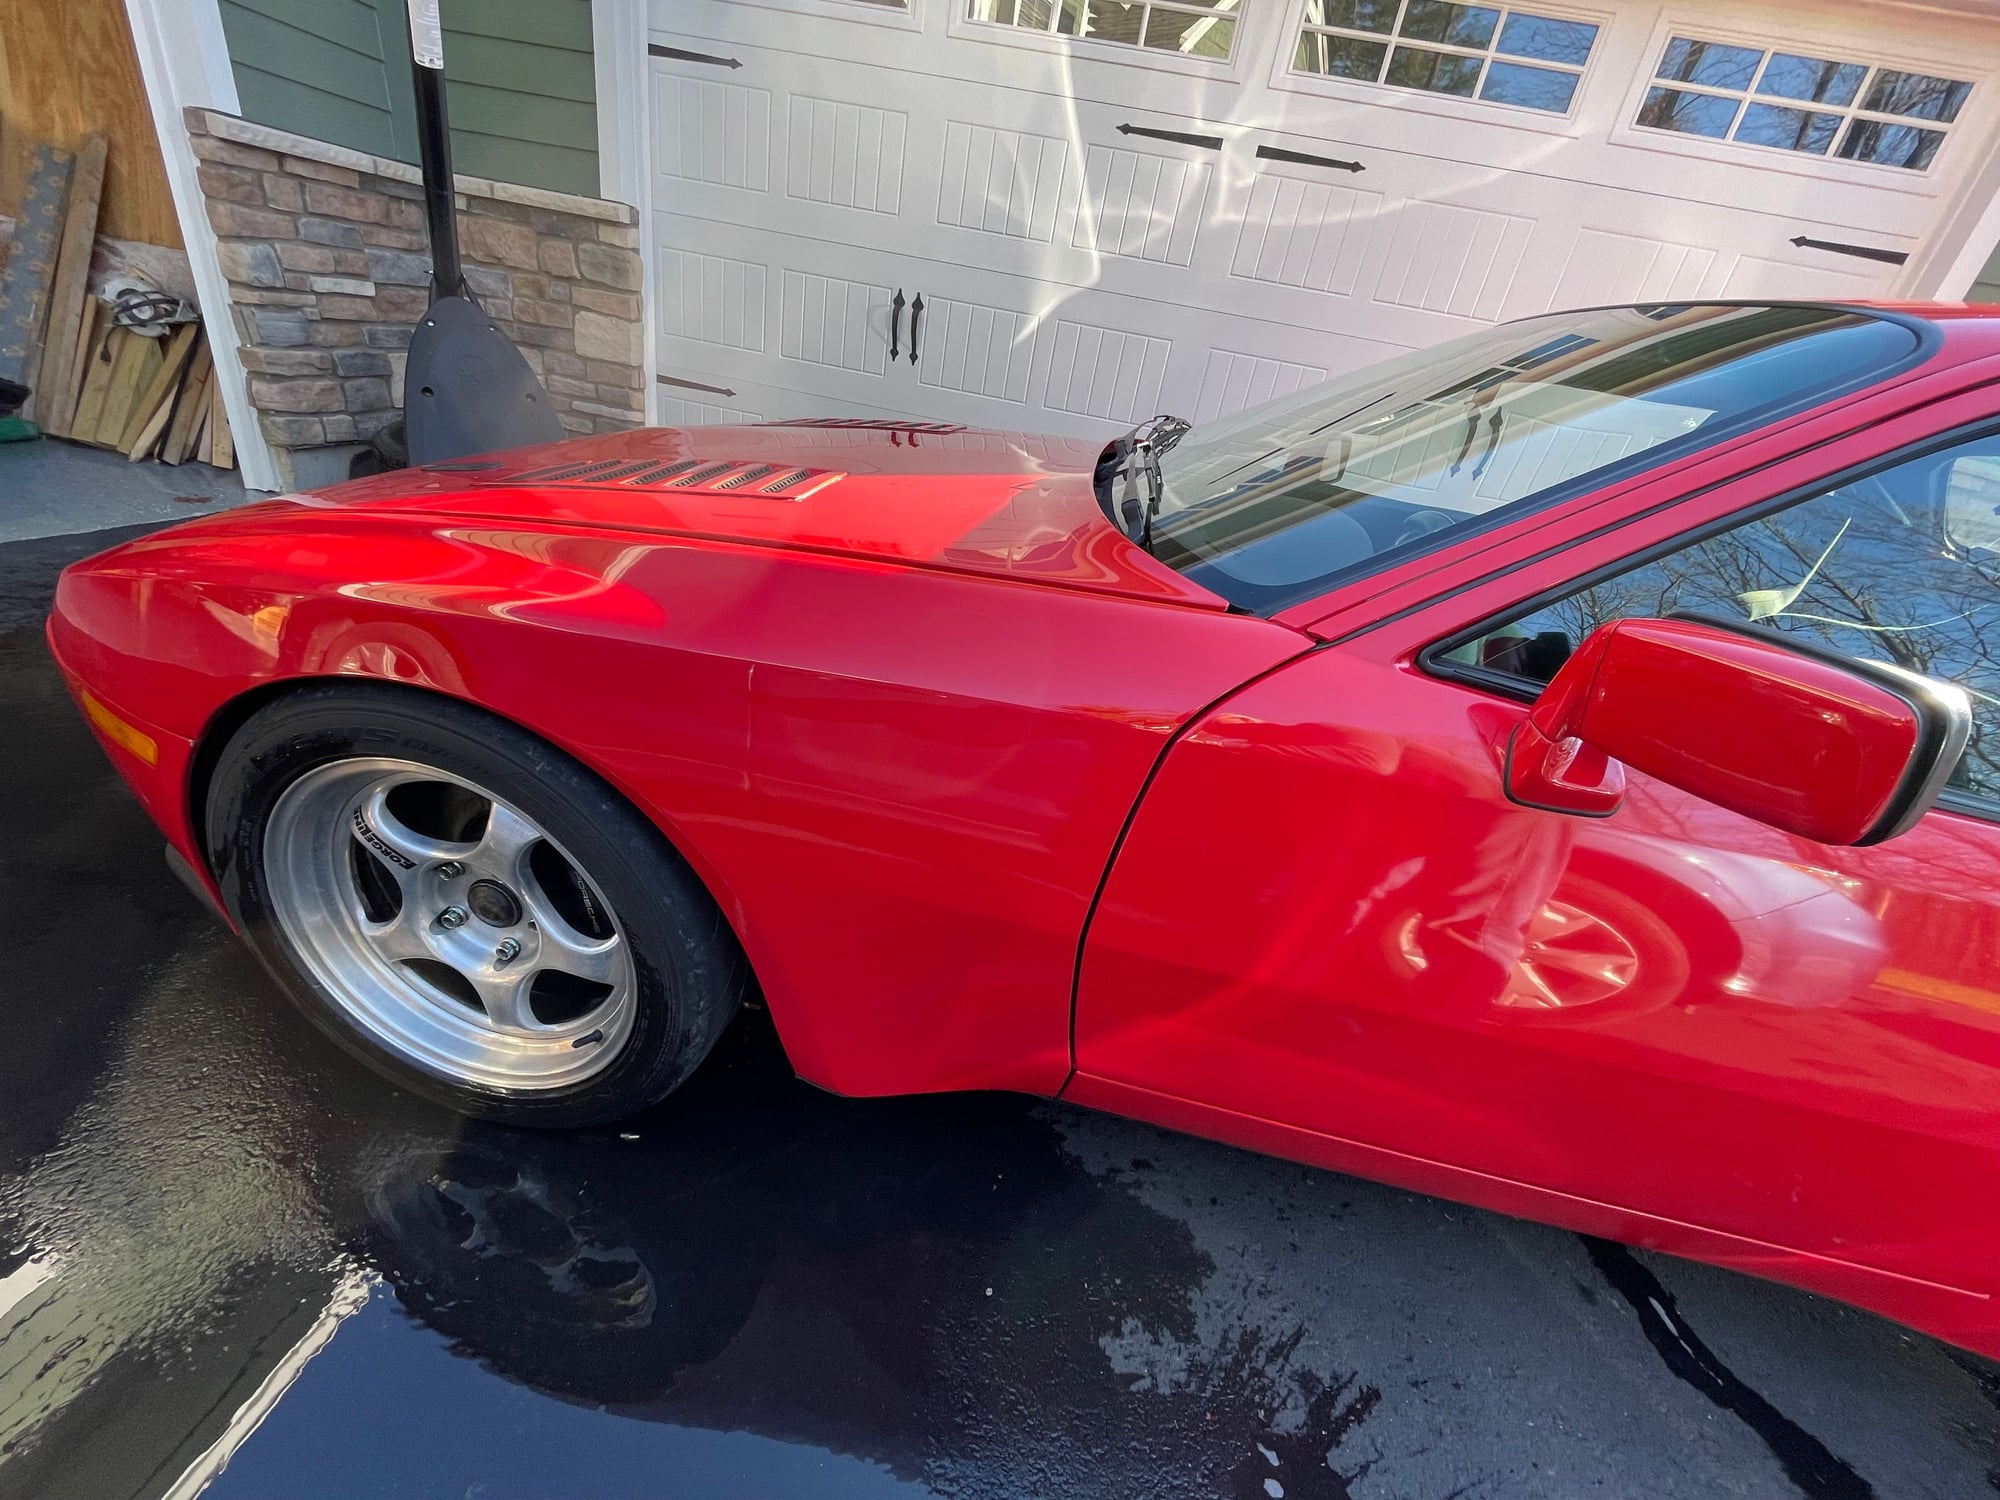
1069,214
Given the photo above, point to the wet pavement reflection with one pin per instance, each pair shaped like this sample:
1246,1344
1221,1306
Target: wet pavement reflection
233,1263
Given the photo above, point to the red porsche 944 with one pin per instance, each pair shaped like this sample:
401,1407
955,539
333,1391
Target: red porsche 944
1558,769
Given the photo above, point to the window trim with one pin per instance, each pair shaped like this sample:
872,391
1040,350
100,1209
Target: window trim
961,24
1846,114
907,17
1974,119
1283,78
1298,27
1431,659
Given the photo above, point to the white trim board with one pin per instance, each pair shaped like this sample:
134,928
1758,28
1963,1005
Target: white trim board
184,60
625,148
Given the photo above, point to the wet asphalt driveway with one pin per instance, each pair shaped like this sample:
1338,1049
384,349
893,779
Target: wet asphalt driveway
229,1258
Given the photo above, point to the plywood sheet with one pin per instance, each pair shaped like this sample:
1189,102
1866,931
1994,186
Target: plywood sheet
67,70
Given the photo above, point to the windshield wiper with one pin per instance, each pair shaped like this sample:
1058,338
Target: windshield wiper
1138,468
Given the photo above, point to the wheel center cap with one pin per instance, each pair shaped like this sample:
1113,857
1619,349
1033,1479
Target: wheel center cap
493,903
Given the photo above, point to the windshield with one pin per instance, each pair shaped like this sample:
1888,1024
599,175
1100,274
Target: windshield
1270,506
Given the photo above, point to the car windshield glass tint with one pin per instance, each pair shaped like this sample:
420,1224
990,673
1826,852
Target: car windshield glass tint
1270,506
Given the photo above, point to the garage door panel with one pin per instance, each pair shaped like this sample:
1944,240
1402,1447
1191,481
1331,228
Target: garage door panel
1225,364
845,155
1448,258
977,349
1081,267
1607,266
1110,373
1140,205
695,397
1444,252
713,298
831,321
750,306
1309,235
1000,182
683,406
1231,381
710,131
1766,276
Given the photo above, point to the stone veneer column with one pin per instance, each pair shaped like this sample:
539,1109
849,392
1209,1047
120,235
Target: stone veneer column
328,271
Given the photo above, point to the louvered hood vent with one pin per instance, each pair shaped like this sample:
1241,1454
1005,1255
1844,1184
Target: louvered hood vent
867,424
709,476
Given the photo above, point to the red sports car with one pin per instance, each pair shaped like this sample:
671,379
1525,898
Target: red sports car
1558,770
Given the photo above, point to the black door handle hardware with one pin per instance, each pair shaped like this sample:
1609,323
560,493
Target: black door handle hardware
916,312
1307,159
654,49
1179,137
895,325
1863,252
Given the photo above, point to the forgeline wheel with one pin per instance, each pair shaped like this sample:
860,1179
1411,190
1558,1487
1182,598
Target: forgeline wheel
465,908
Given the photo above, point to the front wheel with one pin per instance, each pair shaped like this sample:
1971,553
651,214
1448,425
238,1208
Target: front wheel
466,909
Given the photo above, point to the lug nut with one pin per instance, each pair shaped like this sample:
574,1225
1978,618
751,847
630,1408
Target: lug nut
507,952
451,869
453,916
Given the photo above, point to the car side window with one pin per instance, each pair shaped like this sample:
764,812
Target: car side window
1901,566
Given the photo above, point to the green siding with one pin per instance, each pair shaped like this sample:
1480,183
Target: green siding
1987,287
312,66
522,95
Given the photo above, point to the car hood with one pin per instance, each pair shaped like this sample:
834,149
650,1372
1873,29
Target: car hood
926,494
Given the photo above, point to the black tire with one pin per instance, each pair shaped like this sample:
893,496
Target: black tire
690,974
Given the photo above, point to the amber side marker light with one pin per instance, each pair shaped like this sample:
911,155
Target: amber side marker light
118,731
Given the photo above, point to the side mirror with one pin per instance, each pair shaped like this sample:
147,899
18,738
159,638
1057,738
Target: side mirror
1833,749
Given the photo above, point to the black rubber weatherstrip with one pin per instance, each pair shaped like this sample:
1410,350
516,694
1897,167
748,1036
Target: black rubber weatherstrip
1808,1463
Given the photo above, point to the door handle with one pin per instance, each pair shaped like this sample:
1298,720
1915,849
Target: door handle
895,325
916,313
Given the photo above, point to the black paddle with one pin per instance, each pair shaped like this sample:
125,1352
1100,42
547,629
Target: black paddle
467,389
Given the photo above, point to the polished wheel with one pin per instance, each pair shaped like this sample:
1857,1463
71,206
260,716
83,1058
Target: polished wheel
448,926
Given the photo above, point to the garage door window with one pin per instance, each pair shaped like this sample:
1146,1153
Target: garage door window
1791,101
1501,55
1194,28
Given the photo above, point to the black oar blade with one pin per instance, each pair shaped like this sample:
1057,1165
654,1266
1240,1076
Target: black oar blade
468,390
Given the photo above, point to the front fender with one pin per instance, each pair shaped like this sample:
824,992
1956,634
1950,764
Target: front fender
902,784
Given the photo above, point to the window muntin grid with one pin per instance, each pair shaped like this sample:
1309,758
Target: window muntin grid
1493,53
1203,29
1793,101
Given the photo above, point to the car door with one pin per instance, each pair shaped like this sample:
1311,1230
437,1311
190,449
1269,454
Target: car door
1328,932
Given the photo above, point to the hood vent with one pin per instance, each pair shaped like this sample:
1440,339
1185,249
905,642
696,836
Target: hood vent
868,424
570,473
694,475
700,479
